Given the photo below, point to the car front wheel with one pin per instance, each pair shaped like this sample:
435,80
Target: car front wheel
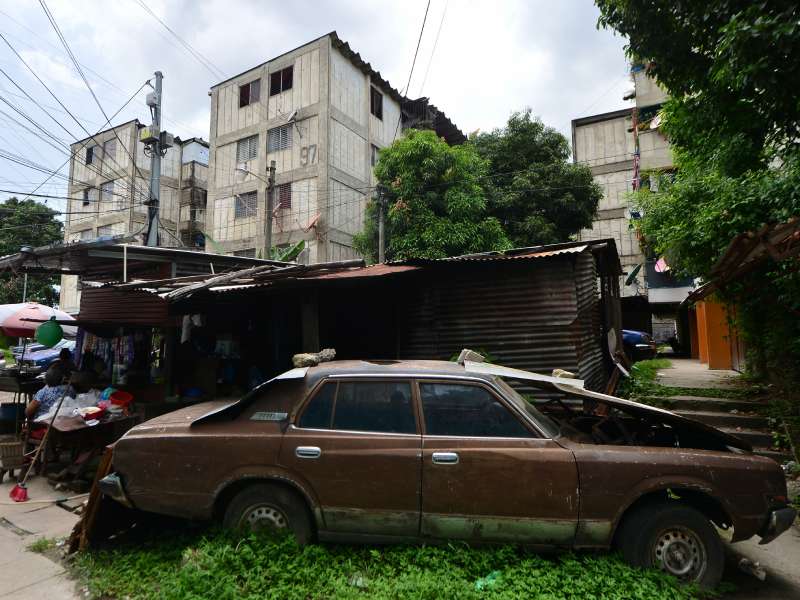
271,508
674,538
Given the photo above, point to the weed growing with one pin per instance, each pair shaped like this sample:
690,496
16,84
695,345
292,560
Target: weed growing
42,545
222,566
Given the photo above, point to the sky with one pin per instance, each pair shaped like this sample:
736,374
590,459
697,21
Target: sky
478,61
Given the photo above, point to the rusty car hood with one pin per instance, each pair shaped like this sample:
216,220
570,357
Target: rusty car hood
660,414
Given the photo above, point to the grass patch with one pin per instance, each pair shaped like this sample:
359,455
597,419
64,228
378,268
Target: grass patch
42,545
221,566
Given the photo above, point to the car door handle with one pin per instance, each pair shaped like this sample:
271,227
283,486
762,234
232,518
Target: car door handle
445,458
307,452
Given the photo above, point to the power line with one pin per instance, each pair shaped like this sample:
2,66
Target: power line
205,62
108,121
63,40
413,62
435,43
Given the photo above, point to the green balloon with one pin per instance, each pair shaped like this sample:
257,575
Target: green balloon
49,333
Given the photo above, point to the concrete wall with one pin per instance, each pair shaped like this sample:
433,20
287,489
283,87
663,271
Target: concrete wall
124,173
606,146
328,162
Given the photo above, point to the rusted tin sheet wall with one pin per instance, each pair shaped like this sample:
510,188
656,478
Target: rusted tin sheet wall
536,315
132,307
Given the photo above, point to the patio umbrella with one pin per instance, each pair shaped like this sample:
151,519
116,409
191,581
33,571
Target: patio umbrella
12,315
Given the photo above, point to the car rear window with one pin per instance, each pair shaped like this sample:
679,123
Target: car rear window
467,411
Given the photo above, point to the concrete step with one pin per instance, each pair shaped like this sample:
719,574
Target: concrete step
726,419
761,439
779,456
703,403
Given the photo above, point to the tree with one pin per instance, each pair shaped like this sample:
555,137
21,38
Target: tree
27,223
435,202
735,129
532,189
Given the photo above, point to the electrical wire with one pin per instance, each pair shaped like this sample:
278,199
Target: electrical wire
75,62
435,43
413,62
194,53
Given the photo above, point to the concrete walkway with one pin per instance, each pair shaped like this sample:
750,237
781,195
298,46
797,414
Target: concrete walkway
780,558
691,373
25,574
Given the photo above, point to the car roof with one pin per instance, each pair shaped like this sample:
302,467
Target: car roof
413,368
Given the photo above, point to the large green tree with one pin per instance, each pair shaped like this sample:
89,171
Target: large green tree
733,121
435,204
536,193
27,223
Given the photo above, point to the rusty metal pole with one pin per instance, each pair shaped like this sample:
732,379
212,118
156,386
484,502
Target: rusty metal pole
270,207
381,233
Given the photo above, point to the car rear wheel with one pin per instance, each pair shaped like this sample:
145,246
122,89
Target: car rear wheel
269,508
674,538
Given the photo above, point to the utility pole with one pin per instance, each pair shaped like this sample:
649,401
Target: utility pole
381,218
270,208
153,141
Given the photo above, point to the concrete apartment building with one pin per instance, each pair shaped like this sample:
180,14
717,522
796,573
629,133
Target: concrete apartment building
109,184
322,114
608,144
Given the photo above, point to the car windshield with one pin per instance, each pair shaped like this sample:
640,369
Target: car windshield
548,425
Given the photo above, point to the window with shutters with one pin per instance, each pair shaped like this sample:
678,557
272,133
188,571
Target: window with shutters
373,157
247,149
89,154
376,103
245,205
284,195
249,93
280,81
279,138
86,200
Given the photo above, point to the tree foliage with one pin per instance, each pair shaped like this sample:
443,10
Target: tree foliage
532,189
733,123
435,202
27,223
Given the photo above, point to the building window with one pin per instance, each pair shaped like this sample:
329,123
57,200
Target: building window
280,81
110,149
247,149
373,156
86,200
105,230
245,205
86,235
89,154
107,191
249,93
279,138
246,253
285,195
376,103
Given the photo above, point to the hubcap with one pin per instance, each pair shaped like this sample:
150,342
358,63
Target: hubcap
264,517
680,552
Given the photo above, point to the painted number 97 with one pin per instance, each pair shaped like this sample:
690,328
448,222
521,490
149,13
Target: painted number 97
308,155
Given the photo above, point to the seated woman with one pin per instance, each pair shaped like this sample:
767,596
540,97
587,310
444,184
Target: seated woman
48,397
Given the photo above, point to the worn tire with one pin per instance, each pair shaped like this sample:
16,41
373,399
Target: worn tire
675,538
272,507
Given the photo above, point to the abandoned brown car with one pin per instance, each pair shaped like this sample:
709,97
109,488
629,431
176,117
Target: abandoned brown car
379,451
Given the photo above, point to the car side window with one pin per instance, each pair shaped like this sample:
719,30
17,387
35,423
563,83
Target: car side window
468,411
377,406
319,410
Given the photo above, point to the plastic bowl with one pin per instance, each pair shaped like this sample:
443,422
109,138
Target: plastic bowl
121,398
